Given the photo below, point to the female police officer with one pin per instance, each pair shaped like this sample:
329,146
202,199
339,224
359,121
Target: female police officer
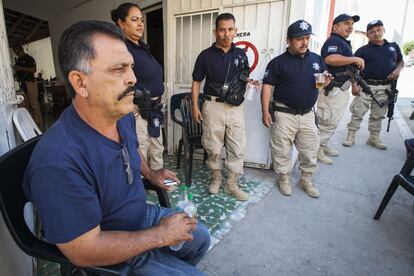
149,76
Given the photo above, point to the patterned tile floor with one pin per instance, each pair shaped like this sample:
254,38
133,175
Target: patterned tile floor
213,210
217,212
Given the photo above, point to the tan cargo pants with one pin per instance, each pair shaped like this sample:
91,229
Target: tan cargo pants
362,103
291,129
223,125
151,148
33,102
330,110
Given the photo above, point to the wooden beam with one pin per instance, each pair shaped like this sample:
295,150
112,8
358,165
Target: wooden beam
331,17
33,30
17,23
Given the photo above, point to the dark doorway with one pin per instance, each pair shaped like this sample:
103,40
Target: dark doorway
155,34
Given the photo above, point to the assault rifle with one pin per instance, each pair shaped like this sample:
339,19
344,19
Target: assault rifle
352,73
392,99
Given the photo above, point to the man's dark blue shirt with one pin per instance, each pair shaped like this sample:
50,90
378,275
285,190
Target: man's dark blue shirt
146,68
380,60
293,79
336,44
214,65
77,179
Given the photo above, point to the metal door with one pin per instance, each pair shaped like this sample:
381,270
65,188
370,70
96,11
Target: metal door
260,26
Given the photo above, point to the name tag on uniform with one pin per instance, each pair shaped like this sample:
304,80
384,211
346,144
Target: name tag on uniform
332,49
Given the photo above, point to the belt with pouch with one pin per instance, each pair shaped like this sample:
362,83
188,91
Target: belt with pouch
335,83
299,111
378,82
213,99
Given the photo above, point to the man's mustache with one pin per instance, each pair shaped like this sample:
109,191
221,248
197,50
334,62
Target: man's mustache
126,91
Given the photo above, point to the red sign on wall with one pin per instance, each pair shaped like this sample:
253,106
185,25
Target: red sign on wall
248,46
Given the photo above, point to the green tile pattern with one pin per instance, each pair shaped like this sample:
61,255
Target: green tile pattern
213,210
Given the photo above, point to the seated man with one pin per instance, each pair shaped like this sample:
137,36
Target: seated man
84,176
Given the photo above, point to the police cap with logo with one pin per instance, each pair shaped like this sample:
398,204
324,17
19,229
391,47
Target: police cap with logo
374,23
299,28
344,17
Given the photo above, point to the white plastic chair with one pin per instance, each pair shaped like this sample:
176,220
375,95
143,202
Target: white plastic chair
25,125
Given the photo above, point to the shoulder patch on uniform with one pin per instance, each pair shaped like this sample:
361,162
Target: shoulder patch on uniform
391,48
332,49
316,66
266,73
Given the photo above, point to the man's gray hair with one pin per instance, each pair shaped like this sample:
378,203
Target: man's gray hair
76,47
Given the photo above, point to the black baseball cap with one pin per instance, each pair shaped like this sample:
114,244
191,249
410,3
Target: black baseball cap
345,17
374,23
299,28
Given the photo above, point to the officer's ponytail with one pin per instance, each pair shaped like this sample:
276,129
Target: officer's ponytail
122,12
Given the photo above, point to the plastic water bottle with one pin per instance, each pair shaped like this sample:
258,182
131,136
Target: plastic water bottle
191,210
183,198
251,90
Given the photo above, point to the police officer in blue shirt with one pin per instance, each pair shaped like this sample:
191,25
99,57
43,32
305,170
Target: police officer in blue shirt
225,68
25,68
295,93
383,64
332,102
149,74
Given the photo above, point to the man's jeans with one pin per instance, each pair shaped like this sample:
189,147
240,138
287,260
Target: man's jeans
164,261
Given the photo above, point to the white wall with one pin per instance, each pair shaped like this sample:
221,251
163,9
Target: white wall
41,51
7,93
12,260
396,16
91,10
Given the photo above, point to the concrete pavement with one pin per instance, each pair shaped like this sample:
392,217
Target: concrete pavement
332,235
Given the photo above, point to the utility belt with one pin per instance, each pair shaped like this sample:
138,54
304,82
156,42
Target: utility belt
150,109
231,93
294,111
152,105
378,82
148,106
335,84
332,85
214,99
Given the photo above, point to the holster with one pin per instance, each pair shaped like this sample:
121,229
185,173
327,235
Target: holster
144,103
331,85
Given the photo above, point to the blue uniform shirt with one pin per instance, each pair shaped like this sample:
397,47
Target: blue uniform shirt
213,64
336,44
77,180
380,60
293,79
147,70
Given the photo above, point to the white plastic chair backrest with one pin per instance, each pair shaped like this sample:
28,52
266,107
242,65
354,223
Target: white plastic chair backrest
25,125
